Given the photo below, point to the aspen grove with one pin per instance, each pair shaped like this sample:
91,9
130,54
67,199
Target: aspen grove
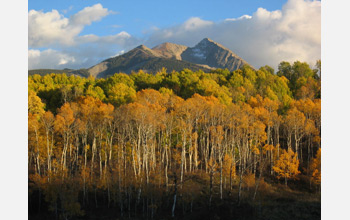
148,144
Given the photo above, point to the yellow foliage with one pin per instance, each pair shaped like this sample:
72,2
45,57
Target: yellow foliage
287,165
121,94
255,150
317,139
316,168
64,118
35,105
268,147
229,166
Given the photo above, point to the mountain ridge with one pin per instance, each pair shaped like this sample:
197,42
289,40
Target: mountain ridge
205,55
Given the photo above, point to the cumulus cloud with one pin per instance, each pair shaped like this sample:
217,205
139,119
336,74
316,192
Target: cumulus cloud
69,49
264,38
195,23
82,56
91,50
89,15
52,28
187,33
49,59
121,38
47,28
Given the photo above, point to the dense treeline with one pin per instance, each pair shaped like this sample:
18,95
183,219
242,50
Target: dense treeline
141,145
69,72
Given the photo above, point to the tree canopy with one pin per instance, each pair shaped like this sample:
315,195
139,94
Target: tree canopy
143,143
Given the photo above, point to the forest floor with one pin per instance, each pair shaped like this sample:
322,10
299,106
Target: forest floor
273,201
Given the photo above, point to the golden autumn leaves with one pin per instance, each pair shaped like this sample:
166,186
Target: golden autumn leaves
143,145
287,165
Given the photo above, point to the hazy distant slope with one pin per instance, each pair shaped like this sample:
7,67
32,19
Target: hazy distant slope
42,72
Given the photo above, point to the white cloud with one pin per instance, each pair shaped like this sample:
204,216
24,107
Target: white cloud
264,38
119,53
89,15
81,57
240,18
263,15
188,33
90,51
119,38
123,40
49,28
52,28
68,49
49,58
195,23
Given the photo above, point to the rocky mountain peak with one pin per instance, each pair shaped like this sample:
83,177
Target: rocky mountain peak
143,47
170,50
206,40
206,55
208,52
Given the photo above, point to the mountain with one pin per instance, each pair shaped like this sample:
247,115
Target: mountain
170,50
142,58
210,53
206,55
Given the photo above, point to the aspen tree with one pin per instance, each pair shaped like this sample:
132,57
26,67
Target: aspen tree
287,165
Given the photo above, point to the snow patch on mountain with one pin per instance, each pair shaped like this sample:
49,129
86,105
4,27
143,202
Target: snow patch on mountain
198,53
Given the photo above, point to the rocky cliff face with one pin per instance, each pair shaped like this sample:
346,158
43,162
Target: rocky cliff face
170,50
208,52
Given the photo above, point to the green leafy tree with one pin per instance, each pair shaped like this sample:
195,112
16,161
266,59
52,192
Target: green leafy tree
144,80
96,92
35,105
285,69
120,94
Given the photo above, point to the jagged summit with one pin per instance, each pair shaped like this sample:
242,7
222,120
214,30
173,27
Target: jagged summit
170,50
145,50
213,54
166,44
143,47
207,39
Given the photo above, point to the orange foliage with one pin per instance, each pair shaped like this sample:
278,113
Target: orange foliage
287,165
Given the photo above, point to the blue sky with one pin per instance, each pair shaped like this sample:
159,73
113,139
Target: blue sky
81,33
136,17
